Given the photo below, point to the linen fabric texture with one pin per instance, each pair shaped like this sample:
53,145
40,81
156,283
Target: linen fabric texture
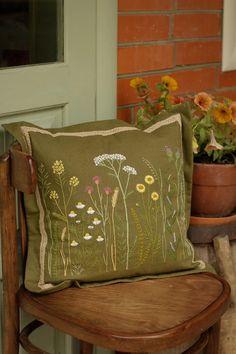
112,202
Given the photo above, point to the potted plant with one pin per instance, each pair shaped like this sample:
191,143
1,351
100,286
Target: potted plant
214,143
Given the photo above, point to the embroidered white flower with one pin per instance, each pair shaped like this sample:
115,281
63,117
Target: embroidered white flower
80,205
78,221
96,221
100,239
74,243
90,227
129,169
72,214
98,160
87,236
90,210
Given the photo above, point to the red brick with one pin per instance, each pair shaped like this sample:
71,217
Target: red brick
142,28
227,79
196,80
229,94
124,114
144,5
198,52
199,4
196,25
144,58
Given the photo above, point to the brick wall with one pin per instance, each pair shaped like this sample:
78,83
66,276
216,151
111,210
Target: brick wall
181,38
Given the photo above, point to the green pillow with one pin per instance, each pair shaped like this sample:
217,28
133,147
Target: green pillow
112,202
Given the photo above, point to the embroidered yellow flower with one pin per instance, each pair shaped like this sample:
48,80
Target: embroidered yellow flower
222,114
170,83
53,195
140,188
203,100
155,196
74,181
137,82
58,167
149,179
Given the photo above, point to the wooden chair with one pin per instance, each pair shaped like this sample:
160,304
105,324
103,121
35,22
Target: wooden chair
140,317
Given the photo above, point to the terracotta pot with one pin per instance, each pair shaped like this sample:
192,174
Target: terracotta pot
214,189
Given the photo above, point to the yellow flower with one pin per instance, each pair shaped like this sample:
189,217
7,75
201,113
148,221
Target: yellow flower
137,82
195,145
58,167
233,111
155,196
170,83
74,181
140,188
222,114
149,179
53,195
203,100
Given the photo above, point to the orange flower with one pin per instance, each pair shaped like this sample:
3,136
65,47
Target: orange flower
203,100
222,114
233,111
170,83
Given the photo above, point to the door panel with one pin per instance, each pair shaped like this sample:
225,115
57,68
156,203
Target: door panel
46,118
82,88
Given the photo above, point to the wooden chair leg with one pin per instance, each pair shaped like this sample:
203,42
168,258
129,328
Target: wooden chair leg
86,348
214,339
9,260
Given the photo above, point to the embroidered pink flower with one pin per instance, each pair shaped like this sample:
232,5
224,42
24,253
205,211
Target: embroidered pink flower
203,100
107,190
89,189
96,179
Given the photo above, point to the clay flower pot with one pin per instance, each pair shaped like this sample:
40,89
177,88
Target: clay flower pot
214,190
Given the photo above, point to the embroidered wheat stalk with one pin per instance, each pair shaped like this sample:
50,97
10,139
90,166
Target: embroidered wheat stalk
64,260
113,246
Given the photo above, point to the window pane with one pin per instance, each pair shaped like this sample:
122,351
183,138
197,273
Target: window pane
31,32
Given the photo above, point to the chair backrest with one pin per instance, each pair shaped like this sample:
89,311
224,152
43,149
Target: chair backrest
17,175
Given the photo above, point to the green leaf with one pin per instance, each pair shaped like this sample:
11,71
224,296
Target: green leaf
160,87
203,136
215,155
59,216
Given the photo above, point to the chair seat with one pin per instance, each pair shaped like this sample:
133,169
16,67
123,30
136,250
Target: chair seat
141,316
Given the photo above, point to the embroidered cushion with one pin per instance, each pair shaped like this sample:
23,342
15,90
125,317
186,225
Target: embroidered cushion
112,202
